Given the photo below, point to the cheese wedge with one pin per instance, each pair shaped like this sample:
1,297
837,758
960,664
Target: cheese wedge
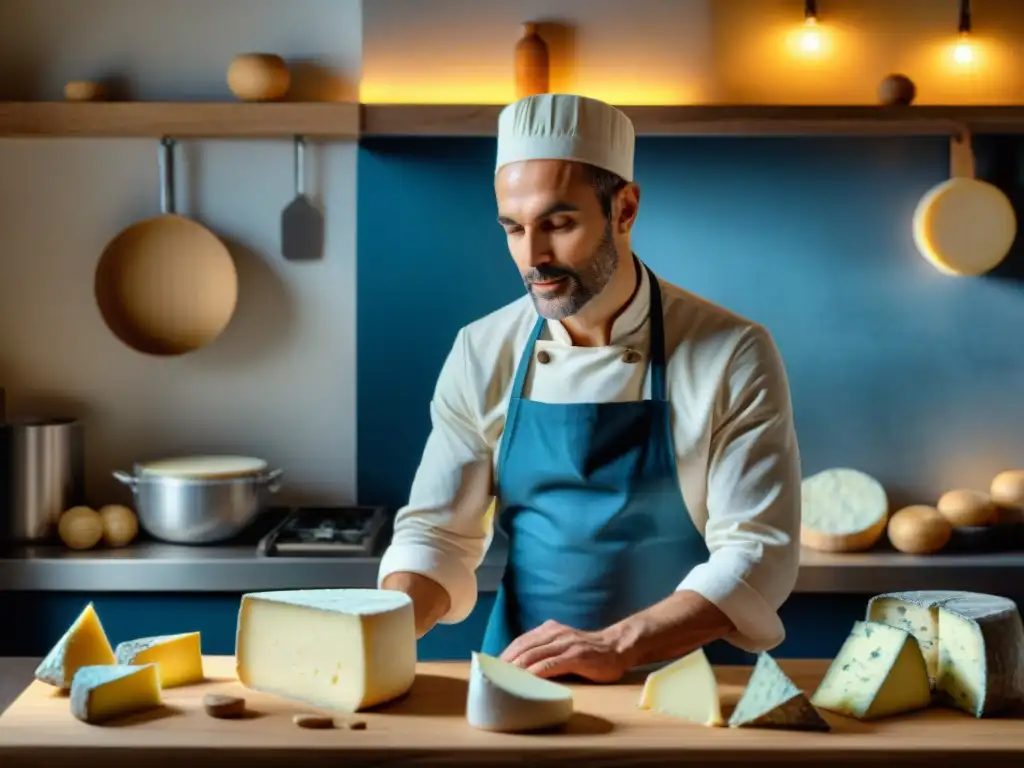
179,658
842,510
878,672
686,688
84,643
342,649
101,693
973,645
772,700
507,698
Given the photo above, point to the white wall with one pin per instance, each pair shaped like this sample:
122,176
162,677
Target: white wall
280,382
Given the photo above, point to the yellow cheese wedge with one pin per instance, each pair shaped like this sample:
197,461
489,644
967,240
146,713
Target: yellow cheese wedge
879,671
102,693
83,644
686,688
342,649
179,658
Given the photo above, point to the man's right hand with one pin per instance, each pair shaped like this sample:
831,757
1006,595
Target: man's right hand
430,601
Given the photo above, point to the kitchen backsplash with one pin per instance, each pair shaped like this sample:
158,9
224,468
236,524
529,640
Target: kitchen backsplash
894,368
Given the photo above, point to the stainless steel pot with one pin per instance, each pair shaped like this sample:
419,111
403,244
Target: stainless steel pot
186,510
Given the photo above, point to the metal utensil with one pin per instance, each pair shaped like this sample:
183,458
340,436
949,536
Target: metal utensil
302,224
42,474
185,510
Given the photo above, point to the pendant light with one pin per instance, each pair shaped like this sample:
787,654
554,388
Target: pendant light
964,51
810,39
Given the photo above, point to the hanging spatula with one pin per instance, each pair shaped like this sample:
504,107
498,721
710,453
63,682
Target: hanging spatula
302,223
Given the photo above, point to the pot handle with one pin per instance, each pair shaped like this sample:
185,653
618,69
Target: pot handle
125,478
271,480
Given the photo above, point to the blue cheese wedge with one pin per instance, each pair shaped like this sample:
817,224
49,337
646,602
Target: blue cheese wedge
973,644
879,671
84,643
772,700
102,693
179,658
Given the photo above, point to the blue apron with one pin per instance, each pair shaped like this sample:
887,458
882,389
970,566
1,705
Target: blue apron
589,499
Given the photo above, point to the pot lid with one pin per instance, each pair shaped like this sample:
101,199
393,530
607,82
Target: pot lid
203,466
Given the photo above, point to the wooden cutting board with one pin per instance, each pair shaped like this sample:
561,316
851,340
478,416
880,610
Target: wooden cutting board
428,728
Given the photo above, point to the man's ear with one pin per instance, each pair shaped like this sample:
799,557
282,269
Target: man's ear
628,207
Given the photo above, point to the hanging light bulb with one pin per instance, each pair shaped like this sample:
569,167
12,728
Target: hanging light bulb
810,38
963,53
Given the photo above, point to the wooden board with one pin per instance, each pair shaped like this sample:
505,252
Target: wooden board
428,727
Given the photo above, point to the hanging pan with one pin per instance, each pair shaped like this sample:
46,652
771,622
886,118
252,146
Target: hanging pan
166,285
964,226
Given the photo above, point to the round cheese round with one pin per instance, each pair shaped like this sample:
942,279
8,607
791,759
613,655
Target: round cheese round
964,226
80,527
842,510
919,530
963,507
204,467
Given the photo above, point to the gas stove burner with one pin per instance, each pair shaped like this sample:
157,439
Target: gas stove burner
324,531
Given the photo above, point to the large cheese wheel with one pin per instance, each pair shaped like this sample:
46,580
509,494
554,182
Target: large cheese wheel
204,467
843,510
964,226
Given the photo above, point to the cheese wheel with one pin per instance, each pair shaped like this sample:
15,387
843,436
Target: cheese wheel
964,507
1007,489
919,530
204,467
842,510
964,226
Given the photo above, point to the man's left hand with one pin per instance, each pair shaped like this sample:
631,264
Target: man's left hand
553,649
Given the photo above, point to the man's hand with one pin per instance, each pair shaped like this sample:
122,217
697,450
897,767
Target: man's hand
430,601
553,649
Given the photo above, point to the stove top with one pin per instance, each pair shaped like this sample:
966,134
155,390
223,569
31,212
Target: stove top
354,531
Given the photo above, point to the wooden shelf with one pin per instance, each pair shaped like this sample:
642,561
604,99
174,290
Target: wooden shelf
350,121
179,119
478,120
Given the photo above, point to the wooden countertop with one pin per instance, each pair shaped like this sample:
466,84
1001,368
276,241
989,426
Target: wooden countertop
428,727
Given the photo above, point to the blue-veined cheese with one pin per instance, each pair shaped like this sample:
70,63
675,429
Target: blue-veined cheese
101,693
772,700
879,671
842,510
84,643
179,658
342,649
506,698
973,644
686,688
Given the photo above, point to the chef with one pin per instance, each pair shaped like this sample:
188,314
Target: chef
635,439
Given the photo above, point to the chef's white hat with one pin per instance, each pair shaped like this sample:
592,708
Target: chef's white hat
566,127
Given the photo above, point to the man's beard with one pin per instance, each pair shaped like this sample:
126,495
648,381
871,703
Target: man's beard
579,287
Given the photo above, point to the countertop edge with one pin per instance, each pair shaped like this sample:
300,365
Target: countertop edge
151,567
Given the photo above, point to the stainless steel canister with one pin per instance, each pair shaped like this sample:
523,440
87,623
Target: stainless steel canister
42,473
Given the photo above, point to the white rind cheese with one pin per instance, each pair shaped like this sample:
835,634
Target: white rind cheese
973,643
503,697
686,688
342,649
772,700
101,693
179,658
842,510
83,644
879,671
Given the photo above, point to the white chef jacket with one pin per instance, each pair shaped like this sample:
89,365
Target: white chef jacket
735,445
